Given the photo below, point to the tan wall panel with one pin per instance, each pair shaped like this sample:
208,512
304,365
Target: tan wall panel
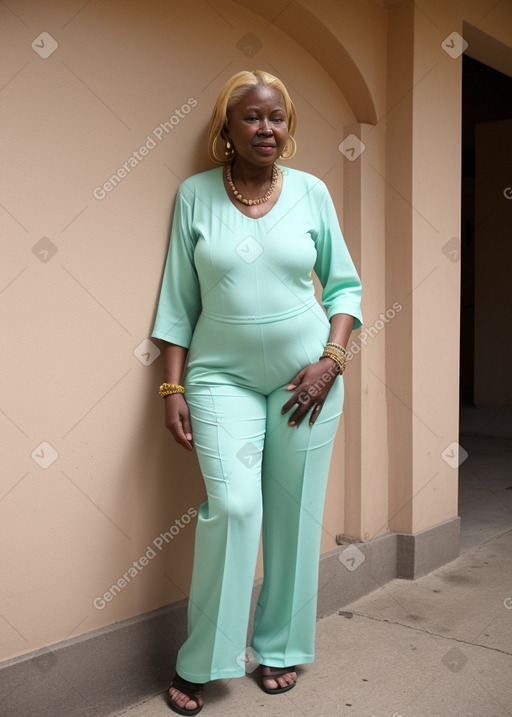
80,278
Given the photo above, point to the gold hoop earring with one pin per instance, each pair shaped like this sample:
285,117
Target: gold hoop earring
230,151
214,151
216,157
289,153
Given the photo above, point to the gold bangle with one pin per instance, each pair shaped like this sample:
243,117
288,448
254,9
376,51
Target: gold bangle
338,364
167,389
336,356
336,346
336,351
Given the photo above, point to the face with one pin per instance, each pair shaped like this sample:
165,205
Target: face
257,126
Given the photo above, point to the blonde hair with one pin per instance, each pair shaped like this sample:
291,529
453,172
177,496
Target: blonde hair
232,91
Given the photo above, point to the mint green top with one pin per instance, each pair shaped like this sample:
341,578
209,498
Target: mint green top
247,270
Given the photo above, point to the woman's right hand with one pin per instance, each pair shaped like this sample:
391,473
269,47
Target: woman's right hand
177,419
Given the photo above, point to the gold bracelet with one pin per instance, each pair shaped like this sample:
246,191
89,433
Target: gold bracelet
332,353
336,346
167,389
336,356
336,361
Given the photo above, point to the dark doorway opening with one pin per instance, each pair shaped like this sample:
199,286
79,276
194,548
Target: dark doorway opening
485,484
486,97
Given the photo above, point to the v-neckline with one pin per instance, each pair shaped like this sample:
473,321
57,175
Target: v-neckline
252,219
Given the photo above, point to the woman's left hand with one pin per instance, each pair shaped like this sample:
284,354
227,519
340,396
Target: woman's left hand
310,388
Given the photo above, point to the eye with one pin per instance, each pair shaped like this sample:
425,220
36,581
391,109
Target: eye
251,119
278,119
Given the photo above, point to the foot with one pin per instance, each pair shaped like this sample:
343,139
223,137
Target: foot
185,702
278,683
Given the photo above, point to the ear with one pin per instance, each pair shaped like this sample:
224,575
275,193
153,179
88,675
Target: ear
224,133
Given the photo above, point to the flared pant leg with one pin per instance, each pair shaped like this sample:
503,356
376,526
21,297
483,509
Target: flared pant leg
233,427
295,471
228,424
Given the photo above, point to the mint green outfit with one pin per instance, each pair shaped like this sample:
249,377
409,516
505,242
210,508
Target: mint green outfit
238,293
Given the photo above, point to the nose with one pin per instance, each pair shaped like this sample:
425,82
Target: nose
264,127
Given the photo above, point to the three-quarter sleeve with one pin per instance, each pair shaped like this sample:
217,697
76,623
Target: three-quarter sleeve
179,304
334,266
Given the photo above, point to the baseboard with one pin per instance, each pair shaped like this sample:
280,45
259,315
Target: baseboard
420,553
107,670
354,570
357,569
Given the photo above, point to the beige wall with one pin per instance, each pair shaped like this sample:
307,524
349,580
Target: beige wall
80,276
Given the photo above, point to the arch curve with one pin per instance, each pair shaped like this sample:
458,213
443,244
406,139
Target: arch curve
306,29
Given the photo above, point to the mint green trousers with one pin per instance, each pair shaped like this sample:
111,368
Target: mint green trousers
261,476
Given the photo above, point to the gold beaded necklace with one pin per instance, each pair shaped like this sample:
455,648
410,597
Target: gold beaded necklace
250,202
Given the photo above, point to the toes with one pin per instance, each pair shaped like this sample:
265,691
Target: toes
288,679
270,684
179,698
273,683
182,700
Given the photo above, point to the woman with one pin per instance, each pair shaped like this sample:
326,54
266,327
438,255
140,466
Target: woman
238,295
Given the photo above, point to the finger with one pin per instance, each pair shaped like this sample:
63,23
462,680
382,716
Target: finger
180,436
298,415
295,381
303,398
315,413
187,430
184,442
296,418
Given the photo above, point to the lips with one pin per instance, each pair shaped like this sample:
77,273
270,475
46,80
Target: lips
265,144
265,150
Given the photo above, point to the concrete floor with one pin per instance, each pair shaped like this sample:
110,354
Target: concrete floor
440,646
485,478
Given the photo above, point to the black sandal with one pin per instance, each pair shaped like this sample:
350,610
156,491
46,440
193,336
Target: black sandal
191,689
274,673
